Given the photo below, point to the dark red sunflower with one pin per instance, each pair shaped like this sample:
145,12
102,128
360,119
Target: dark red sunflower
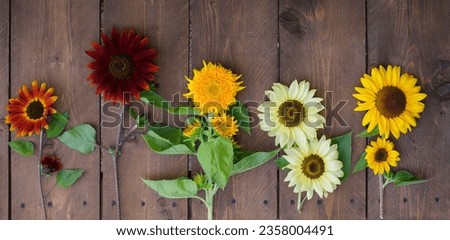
123,65
28,112
50,165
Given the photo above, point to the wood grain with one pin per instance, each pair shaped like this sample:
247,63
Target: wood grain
166,23
324,42
414,35
241,35
4,92
48,39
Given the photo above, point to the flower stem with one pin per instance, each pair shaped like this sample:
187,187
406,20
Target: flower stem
209,195
115,158
380,178
41,147
300,203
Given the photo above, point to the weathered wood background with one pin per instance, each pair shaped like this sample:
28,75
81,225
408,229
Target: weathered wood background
330,43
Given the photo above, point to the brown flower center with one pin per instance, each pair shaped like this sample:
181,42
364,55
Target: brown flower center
35,110
313,166
121,66
390,101
290,113
381,155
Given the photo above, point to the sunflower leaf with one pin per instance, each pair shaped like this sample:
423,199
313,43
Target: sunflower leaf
151,97
175,188
57,124
365,134
81,138
252,161
167,140
67,177
216,159
361,164
24,148
281,163
403,178
240,113
344,143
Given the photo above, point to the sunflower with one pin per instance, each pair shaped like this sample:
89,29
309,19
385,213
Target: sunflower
192,129
380,156
28,112
314,167
123,66
291,114
213,88
50,165
392,101
226,126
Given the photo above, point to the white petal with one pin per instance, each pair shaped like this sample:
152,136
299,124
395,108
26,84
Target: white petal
293,89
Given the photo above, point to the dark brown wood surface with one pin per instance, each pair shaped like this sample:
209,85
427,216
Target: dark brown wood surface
241,35
330,43
4,92
48,39
315,46
166,23
411,34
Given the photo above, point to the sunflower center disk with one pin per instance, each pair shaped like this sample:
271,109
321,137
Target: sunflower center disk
291,113
313,166
121,66
390,101
35,110
381,155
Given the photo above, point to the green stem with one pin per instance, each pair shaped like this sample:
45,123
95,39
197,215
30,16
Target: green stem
300,203
382,185
209,195
41,147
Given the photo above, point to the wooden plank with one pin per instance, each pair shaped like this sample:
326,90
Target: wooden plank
4,92
323,42
241,35
414,35
166,23
48,39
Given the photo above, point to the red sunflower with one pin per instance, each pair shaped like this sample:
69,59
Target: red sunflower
123,65
50,165
28,112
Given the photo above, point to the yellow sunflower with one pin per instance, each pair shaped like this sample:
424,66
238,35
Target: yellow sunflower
226,126
392,101
292,114
213,88
314,167
191,129
381,156
28,112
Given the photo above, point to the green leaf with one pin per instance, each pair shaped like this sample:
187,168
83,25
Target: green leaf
403,178
176,188
240,113
344,143
252,161
141,120
372,133
67,177
281,162
57,124
216,159
24,148
361,164
133,113
80,138
167,140
151,97
240,154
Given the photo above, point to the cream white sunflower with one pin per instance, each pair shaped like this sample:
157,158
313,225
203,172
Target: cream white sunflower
314,168
292,114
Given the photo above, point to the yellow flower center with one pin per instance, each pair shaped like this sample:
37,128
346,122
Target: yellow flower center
290,113
121,66
313,166
390,101
35,110
381,155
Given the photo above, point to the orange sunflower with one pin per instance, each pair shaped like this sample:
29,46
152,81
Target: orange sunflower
28,112
123,66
